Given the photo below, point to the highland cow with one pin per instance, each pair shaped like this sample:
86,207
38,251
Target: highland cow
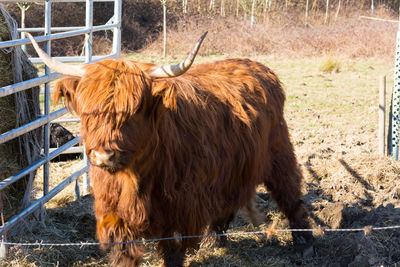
176,150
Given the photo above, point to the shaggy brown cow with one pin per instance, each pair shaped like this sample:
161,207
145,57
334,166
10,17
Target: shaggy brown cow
175,153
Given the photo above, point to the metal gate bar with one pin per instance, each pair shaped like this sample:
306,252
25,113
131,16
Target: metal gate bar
17,87
48,116
59,35
13,178
43,200
32,125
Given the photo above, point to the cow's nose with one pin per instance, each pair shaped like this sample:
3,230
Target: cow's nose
103,158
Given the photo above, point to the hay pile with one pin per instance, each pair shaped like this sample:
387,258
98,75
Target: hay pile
17,110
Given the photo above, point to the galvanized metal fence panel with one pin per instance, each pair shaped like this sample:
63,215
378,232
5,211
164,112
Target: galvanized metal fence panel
47,117
395,110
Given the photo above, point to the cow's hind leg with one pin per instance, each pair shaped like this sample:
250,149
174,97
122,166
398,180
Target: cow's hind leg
284,183
286,193
251,213
219,227
216,231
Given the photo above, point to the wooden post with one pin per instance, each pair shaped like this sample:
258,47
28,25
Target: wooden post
382,114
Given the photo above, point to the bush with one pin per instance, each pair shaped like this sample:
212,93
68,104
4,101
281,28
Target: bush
230,36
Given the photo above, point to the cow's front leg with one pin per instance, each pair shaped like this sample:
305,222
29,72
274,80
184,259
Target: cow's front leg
112,229
172,253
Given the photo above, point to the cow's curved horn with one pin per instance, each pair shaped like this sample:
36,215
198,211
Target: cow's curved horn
178,69
62,68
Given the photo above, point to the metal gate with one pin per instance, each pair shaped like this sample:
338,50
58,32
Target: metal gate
47,117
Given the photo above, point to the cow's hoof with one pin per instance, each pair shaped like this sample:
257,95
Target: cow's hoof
308,252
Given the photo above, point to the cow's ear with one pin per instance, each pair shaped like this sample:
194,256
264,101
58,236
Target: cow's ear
66,88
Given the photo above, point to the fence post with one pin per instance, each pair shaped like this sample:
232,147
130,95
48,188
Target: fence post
382,114
89,35
88,58
117,30
46,134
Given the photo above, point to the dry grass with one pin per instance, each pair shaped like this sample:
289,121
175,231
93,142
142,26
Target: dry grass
283,36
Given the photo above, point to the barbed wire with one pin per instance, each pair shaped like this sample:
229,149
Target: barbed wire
270,231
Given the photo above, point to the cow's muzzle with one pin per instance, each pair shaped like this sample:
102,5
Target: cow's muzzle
104,159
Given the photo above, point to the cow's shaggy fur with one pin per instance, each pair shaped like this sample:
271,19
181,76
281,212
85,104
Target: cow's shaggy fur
193,150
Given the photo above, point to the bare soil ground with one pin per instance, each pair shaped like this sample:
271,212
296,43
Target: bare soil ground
333,122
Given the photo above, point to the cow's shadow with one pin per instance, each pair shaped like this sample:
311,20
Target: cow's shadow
358,247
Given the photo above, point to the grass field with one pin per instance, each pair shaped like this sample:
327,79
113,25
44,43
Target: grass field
333,118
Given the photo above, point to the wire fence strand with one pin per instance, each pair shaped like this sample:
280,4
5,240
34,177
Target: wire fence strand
268,231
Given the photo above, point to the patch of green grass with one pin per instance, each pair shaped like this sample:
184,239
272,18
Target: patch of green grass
330,65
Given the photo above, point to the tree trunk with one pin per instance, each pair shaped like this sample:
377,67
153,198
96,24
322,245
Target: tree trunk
362,4
211,6
252,19
306,19
199,7
184,6
164,3
337,11
314,5
23,7
265,10
327,12
372,7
